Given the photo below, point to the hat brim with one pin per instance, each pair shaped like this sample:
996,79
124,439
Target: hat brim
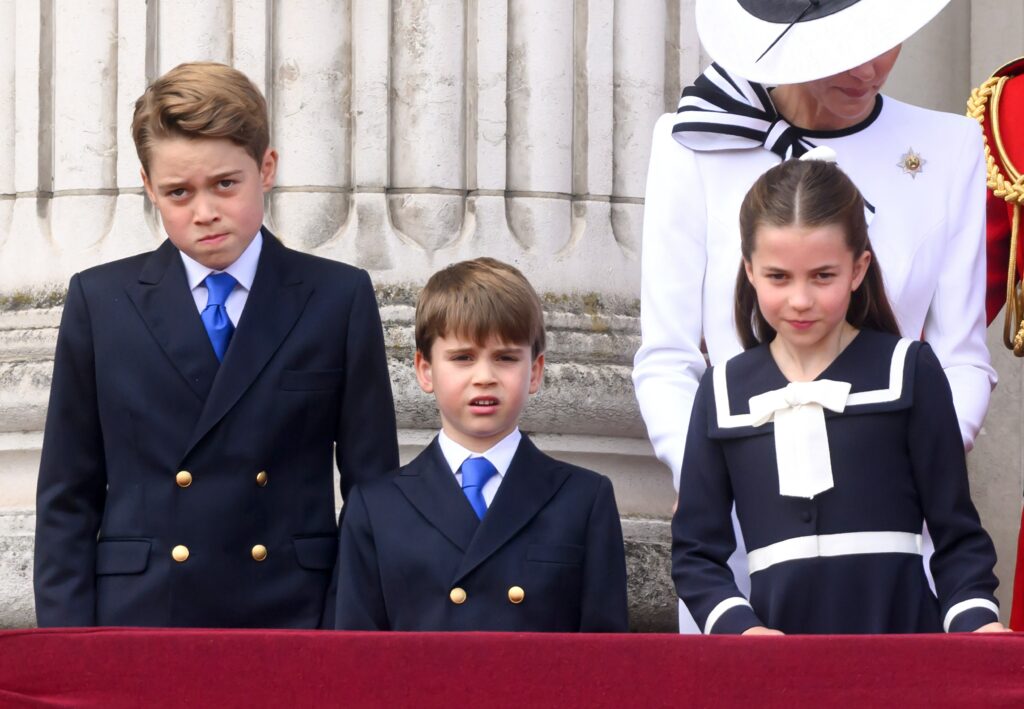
811,49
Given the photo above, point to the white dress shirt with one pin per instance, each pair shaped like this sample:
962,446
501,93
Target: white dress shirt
243,270
500,456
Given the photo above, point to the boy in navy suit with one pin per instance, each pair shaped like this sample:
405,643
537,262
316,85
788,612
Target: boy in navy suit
482,531
199,392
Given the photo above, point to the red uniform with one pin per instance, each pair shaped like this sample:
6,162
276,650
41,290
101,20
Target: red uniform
998,104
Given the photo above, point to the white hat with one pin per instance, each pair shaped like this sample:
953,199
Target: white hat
830,36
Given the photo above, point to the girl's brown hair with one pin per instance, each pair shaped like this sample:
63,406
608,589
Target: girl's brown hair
808,193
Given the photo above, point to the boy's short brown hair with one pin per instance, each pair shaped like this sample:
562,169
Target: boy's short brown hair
202,100
477,299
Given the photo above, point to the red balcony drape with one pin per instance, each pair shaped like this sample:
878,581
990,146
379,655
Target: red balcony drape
250,668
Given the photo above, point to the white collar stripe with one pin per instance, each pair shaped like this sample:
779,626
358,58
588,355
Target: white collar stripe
895,389
893,392
828,545
725,418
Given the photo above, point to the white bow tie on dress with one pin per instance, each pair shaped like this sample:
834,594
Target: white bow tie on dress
801,439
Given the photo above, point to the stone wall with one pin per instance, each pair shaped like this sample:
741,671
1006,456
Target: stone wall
412,134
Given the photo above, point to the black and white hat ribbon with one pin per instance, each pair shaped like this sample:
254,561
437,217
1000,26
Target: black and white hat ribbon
721,112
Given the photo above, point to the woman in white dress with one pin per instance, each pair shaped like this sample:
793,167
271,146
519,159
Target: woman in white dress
812,72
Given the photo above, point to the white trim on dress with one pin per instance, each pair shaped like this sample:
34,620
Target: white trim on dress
962,606
719,610
822,545
894,391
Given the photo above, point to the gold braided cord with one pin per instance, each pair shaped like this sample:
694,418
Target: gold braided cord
1009,187
1013,293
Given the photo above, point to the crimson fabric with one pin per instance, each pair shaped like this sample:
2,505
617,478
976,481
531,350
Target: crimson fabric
175,668
1017,610
997,247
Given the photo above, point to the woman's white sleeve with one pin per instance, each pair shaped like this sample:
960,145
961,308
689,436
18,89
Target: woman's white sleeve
669,363
955,324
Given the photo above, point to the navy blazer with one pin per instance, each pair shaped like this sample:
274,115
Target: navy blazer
152,448
414,556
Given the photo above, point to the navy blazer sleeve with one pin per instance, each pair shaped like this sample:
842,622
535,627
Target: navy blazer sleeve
702,533
72,477
360,597
964,554
367,443
603,604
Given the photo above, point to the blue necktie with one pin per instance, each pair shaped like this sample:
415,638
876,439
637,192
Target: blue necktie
215,315
476,472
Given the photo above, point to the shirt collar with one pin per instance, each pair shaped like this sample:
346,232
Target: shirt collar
500,455
243,269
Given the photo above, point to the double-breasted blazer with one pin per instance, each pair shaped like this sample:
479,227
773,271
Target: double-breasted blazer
175,490
547,556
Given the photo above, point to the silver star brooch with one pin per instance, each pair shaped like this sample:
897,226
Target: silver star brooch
911,163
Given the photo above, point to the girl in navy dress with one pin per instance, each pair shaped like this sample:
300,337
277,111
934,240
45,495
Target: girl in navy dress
834,437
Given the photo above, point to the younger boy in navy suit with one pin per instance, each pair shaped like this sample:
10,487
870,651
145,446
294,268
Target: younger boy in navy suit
482,531
200,391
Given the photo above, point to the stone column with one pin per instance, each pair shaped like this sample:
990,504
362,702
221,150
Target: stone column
310,99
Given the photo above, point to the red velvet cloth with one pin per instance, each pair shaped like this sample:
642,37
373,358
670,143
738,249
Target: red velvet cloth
227,668
1017,610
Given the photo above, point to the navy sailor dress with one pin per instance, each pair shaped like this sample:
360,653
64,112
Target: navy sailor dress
844,557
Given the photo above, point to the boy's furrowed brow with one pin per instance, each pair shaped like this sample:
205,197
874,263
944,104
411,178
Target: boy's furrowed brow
224,174
171,183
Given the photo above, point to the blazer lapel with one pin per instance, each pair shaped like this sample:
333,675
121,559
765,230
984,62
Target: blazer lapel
165,302
276,301
531,481
431,488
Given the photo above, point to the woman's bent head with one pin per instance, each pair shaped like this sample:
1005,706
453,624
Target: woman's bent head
838,101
